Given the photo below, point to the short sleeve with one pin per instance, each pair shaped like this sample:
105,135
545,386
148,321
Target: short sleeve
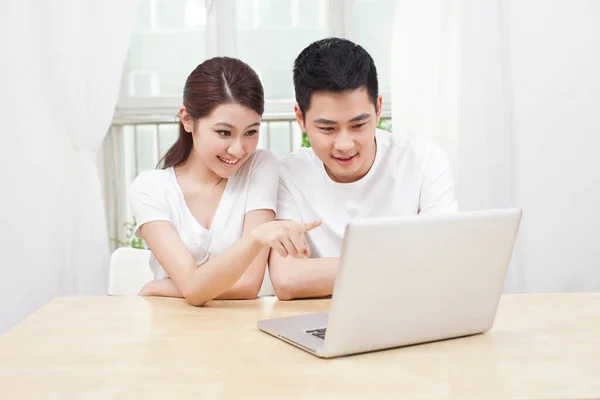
437,189
286,206
148,201
262,184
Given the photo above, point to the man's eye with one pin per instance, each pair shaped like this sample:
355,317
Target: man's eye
357,126
326,128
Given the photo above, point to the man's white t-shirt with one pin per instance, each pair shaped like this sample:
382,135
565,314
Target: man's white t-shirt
156,196
408,177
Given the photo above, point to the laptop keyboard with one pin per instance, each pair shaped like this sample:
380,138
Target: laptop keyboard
320,333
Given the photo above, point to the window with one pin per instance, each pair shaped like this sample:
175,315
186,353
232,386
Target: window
168,42
269,34
373,31
171,37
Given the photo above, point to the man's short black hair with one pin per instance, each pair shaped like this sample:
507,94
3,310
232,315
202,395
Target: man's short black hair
335,65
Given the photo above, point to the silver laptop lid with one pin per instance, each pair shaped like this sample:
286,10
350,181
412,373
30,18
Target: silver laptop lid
415,279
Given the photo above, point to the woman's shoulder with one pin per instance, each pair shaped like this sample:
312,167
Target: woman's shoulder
152,181
261,167
263,156
261,159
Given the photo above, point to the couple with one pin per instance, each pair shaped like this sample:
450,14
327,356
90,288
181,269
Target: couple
219,209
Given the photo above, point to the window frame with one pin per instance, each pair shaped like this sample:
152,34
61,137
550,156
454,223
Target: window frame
220,41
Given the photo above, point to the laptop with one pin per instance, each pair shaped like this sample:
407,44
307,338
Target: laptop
409,280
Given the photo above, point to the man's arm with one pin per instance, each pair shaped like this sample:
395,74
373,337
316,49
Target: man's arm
293,277
296,278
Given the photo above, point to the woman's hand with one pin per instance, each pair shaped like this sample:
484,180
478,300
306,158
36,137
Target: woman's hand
286,237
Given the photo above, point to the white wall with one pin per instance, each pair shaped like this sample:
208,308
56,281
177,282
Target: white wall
555,50
34,159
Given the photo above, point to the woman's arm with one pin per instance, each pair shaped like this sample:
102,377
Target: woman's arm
248,286
223,273
198,285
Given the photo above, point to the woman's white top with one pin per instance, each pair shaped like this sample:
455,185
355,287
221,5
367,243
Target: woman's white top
156,196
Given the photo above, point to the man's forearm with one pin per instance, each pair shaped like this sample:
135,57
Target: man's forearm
296,278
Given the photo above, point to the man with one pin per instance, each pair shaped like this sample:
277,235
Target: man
351,170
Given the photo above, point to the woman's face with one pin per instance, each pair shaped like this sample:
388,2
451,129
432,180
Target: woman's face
224,139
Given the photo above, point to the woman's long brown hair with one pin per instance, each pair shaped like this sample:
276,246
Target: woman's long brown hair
216,81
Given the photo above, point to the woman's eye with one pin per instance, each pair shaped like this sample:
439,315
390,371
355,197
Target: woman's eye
224,133
252,132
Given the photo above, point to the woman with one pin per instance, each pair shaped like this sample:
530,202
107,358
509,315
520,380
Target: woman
207,214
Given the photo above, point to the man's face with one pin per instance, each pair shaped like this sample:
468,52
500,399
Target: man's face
341,129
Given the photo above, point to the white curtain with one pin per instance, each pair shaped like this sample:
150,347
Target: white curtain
451,83
60,69
31,170
85,48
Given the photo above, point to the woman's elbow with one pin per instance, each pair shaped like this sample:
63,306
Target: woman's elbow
196,302
253,292
194,299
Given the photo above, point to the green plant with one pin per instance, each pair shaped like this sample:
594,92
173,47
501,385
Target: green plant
305,141
130,239
384,124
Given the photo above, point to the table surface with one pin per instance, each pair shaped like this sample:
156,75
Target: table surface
541,346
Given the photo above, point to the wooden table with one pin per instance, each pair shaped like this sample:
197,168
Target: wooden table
541,347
